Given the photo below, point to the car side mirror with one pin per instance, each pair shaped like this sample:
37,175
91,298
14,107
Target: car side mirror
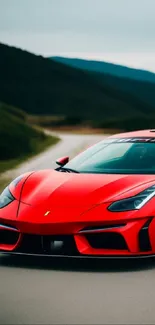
62,161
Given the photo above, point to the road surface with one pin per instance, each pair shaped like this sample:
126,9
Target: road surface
45,291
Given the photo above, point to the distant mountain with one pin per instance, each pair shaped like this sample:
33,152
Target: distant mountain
41,86
122,79
107,68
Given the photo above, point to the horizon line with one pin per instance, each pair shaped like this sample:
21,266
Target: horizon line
92,57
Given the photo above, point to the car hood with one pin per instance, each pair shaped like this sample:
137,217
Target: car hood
59,189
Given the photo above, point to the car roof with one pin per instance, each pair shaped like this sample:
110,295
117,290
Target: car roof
133,134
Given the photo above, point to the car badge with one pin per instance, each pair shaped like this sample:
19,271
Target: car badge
47,213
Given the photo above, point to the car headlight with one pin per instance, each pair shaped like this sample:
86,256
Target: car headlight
6,198
133,203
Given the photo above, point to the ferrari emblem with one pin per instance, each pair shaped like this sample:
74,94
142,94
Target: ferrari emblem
47,213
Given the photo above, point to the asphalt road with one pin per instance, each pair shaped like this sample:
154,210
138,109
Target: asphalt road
52,291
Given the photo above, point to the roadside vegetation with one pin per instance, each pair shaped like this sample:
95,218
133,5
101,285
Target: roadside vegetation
3,183
78,125
19,140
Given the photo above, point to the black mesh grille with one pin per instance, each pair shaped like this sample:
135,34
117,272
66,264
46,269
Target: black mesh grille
50,245
107,240
144,240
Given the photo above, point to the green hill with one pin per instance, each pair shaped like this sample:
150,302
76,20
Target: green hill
107,68
141,91
138,84
40,86
18,140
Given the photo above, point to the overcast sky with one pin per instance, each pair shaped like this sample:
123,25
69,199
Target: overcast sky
121,31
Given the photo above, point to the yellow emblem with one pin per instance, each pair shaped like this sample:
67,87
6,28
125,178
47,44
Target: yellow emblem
47,213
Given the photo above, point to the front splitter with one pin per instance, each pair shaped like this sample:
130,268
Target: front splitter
81,256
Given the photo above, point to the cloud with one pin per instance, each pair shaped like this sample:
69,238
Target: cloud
80,26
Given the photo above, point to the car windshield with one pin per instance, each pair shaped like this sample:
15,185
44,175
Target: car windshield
117,156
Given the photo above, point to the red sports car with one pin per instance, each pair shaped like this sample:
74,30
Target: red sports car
99,204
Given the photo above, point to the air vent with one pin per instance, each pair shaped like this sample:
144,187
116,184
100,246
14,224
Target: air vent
48,245
101,228
106,240
144,240
8,237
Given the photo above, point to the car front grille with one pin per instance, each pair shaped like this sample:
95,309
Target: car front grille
50,245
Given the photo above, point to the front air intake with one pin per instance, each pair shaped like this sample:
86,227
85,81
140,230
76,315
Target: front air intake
48,245
144,240
107,240
8,237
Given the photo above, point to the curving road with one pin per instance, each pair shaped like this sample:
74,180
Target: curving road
69,145
45,291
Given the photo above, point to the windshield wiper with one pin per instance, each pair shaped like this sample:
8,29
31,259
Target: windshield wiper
67,170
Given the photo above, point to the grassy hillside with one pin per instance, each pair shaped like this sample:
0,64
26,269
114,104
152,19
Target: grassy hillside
137,84
41,86
143,92
18,140
108,68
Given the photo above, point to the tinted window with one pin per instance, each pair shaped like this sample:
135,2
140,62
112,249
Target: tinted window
121,158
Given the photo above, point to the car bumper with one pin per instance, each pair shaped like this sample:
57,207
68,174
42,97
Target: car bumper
96,233
131,239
